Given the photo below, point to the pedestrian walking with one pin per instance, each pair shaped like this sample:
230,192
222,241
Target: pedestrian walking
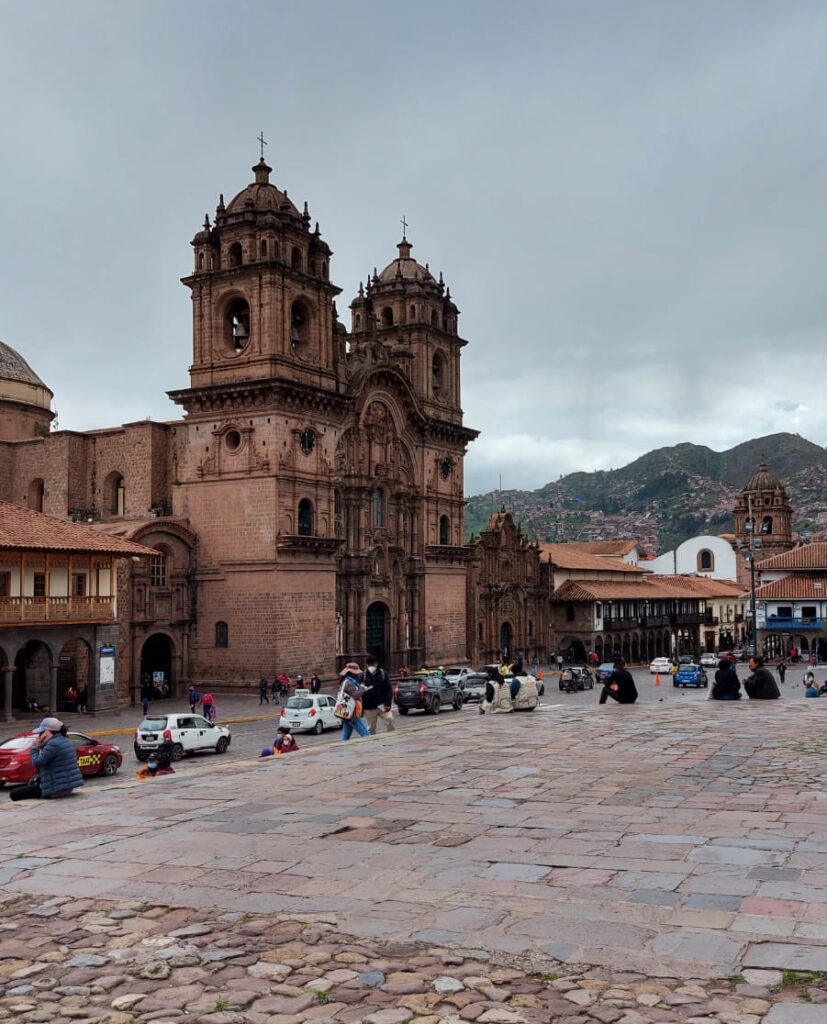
194,697
377,700
349,702
208,707
55,761
315,684
262,691
782,670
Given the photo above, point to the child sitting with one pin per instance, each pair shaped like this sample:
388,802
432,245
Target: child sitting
156,764
284,743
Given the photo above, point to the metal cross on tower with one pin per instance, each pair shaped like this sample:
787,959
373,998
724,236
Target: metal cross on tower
404,224
260,139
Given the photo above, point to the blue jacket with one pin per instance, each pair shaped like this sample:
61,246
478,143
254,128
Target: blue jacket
56,763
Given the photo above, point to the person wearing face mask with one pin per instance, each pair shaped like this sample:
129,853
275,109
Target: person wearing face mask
156,764
378,697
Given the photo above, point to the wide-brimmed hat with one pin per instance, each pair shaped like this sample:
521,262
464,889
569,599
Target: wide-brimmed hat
350,669
48,724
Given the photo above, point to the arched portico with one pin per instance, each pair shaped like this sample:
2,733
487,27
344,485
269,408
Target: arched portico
157,664
35,676
377,620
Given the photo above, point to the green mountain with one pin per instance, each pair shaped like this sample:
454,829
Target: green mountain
665,496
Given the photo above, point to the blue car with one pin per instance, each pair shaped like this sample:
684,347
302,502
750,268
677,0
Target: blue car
690,675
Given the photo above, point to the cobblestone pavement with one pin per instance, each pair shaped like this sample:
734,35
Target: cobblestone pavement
620,864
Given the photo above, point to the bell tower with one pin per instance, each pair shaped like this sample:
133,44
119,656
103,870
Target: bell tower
763,519
411,311
262,300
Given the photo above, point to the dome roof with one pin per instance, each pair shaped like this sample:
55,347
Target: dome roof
261,196
405,266
14,367
763,480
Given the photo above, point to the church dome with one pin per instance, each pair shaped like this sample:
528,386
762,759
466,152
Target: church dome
261,196
14,367
405,267
25,401
763,480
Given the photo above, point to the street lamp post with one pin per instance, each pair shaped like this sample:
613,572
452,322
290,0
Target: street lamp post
752,610
749,554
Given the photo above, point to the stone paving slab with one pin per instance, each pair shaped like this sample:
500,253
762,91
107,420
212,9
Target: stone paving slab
671,835
788,1013
790,956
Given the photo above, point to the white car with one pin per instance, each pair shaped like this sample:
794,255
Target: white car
188,734
457,674
709,661
309,712
660,665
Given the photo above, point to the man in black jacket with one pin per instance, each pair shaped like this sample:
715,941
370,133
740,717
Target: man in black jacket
620,685
760,685
378,697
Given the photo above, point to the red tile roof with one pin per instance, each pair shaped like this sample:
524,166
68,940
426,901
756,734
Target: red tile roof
22,529
807,556
799,586
566,556
647,588
606,548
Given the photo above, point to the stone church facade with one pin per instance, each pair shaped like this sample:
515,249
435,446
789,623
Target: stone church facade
308,505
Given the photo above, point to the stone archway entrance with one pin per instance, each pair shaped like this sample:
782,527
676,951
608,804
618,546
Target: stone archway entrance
156,664
75,668
376,631
32,676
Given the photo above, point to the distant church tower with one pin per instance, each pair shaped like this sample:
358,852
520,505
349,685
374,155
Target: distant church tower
763,511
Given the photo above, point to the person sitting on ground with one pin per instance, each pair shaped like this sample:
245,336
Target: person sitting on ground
760,684
620,685
157,763
55,761
727,685
285,741
811,688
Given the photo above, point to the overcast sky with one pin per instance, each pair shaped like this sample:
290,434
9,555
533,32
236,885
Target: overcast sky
627,200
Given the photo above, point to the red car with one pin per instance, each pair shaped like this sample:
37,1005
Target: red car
94,757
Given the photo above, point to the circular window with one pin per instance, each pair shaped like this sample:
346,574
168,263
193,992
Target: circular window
232,439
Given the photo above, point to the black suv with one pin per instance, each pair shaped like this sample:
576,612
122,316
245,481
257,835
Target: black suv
426,693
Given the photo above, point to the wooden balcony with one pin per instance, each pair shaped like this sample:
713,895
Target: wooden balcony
54,610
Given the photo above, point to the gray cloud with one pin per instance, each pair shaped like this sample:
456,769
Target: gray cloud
625,199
